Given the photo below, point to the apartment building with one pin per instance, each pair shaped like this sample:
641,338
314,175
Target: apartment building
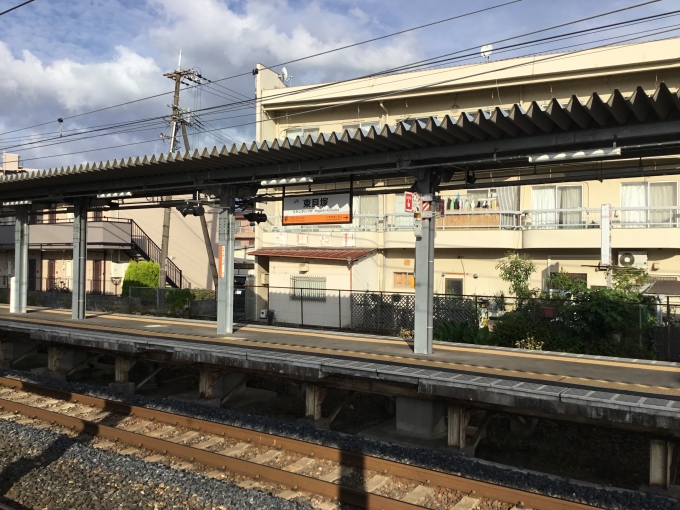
557,226
114,238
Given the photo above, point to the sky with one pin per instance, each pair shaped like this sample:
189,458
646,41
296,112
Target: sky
65,58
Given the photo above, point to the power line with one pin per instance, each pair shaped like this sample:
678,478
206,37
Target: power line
15,7
277,65
240,105
395,92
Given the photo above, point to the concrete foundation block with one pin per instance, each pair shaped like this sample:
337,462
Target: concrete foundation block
122,387
420,418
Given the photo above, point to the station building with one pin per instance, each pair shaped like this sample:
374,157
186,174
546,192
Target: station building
556,226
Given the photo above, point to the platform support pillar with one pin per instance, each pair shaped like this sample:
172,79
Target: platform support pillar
225,282
663,460
19,289
54,355
123,366
458,422
424,270
79,259
423,419
122,375
314,397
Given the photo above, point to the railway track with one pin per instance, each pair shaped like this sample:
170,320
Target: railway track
297,466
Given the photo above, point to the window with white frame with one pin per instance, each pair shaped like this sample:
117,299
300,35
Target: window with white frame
312,288
649,203
302,132
366,126
551,206
365,212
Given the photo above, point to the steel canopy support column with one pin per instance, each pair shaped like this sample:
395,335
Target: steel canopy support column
20,287
225,284
424,272
79,259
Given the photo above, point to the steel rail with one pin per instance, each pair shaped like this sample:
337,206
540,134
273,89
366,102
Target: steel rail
343,494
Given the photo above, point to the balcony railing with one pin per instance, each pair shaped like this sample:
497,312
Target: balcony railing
494,219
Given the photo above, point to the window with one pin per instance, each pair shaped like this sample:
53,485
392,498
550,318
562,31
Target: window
312,288
404,280
644,202
303,133
453,286
402,219
366,126
365,212
548,198
578,276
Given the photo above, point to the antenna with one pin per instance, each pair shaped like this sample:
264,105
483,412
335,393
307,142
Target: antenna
487,50
179,62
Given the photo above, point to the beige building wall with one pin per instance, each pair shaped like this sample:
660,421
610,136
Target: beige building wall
468,246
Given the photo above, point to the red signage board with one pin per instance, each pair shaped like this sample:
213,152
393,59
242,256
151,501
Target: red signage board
408,202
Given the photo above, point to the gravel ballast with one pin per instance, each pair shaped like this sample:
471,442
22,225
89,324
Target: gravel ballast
442,461
42,469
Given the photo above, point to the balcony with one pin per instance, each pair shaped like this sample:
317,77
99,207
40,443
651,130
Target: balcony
59,235
530,229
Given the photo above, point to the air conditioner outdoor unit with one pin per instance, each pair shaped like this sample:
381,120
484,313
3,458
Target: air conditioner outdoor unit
633,259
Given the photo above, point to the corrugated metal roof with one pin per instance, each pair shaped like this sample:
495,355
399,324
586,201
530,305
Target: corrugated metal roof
343,254
467,128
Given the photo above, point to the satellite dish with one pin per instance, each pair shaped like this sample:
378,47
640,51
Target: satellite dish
284,74
487,50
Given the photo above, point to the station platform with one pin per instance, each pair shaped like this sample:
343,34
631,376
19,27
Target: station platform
638,395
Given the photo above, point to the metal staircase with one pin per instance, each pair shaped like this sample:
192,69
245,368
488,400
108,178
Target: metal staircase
143,245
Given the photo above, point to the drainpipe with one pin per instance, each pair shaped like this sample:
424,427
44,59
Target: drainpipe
387,114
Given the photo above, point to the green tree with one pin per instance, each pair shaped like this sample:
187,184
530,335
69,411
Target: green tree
140,274
628,279
516,270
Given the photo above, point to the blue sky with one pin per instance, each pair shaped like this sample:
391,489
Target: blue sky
64,57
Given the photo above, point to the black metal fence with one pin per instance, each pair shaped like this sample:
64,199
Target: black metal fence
394,313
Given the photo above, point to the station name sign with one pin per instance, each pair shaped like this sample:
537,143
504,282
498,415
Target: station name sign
317,209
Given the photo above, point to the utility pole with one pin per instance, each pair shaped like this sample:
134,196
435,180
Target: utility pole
178,119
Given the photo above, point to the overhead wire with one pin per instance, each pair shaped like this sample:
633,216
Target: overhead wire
15,7
285,63
306,90
241,105
401,91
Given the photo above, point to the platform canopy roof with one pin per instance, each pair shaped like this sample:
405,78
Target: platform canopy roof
491,140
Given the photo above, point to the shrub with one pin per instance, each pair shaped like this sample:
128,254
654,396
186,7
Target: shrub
463,333
562,281
140,274
516,270
177,300
606,322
